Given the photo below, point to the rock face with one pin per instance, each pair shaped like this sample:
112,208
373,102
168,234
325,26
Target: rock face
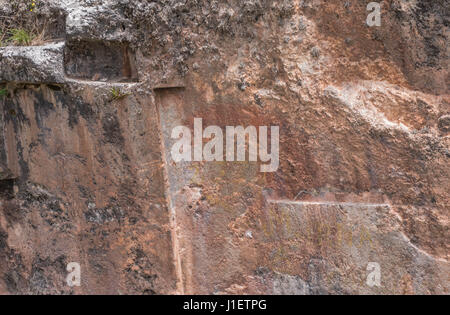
33,64
359,203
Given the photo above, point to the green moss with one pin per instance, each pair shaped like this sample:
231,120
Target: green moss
117,94
21,37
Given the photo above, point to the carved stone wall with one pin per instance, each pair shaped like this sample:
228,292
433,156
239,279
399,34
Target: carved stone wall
87,174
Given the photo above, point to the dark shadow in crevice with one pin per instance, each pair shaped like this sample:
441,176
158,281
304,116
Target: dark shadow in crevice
100,61
7,189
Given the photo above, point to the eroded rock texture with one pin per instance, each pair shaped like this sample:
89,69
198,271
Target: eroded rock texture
87,174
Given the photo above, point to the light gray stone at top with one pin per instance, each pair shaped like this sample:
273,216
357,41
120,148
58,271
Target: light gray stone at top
32,64
88,22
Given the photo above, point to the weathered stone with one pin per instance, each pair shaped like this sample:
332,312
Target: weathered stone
35,64
5,173
358,204
350,237
444,123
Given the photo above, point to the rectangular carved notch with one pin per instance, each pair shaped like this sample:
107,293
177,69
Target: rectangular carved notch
100,61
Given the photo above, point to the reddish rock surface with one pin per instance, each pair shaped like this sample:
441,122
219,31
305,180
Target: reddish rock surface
87,174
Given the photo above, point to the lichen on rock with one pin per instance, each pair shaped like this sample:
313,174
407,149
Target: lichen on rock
86,134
